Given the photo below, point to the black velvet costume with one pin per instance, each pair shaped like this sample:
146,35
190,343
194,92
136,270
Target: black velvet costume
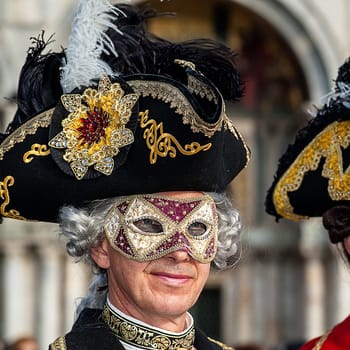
90,332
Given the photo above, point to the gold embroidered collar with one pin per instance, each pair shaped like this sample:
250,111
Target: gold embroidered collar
143,337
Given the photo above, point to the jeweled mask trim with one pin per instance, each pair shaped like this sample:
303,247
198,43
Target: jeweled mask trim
188,224
95,128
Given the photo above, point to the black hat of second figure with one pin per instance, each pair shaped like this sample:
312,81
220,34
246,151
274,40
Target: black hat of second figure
313,174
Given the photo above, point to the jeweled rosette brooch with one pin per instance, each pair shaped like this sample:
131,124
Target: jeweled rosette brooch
95,130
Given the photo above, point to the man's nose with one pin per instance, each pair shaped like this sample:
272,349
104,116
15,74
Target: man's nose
181,254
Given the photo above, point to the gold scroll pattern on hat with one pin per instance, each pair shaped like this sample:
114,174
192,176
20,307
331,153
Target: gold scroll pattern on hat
326,145
177,100
35,150
28,128
5,196
161,143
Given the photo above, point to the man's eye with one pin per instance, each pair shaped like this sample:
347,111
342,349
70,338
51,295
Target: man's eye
197,229
148,226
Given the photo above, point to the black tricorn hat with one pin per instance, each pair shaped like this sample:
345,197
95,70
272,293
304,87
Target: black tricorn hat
135,114
313,174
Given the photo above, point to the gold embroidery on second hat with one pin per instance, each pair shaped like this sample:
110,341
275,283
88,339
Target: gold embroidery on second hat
326,145
5,196
35,150
95,128
161,143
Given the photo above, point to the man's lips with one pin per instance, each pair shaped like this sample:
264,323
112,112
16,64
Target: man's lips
172,277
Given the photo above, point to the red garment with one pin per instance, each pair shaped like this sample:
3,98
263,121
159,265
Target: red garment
337,339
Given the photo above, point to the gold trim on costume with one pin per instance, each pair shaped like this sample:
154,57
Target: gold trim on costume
143,337
4,194
59,344
328,144
28,128
35,150
320,342
222,345
160,142
177,100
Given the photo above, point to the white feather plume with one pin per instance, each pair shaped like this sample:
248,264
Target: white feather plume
87,41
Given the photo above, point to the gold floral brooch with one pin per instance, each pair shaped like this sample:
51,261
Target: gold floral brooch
95,128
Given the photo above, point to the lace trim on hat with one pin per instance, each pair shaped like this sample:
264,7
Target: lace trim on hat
228,125
177,100
30,127
326,145
144,337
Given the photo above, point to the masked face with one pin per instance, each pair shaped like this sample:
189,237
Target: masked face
147,227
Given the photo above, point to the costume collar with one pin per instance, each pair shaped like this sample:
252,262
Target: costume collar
143,336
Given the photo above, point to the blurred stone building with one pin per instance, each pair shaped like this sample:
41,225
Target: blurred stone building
288,285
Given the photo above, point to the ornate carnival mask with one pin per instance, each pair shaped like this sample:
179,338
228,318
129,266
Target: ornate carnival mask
147,227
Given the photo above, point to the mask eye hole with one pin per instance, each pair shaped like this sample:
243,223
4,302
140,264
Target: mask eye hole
148,225
197,229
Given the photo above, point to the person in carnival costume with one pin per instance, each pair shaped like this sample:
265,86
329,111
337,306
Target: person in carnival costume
123,139
312,180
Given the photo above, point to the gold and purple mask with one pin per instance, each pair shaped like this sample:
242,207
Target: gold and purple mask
148,227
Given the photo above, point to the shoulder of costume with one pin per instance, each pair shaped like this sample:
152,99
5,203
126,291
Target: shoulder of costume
88,333
203,342
220,344
336,338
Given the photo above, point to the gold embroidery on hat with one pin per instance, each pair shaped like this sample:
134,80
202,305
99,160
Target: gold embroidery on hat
195,85
95,128
5,196
30,127
35,150
143,337
177,100
326,145
160,143
185,63
198,87
228,125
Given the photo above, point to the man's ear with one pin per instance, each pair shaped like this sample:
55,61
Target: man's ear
100,254
347,244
